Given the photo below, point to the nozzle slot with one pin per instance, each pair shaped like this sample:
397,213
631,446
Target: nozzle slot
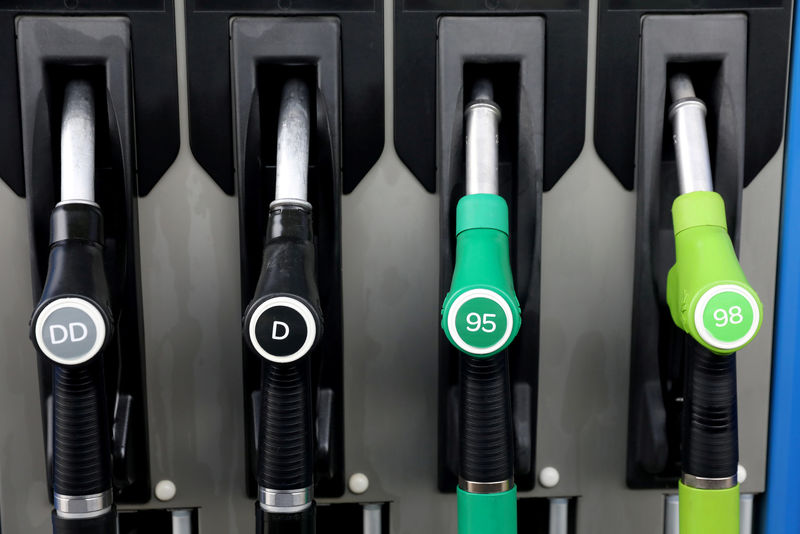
508,54
266,53
710,52
54,52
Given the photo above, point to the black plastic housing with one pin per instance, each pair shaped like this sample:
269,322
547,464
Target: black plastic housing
619,24
266,52
361,86
51,51
155,104
510,52
712,50
415,73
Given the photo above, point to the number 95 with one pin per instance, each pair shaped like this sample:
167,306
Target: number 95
475,322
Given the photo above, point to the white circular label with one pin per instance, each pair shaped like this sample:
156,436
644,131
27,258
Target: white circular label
70,331
727,316
282,329
481,323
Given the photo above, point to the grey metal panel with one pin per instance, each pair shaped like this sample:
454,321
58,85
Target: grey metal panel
23,481
188,230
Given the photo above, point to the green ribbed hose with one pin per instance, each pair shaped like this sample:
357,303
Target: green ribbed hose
491,513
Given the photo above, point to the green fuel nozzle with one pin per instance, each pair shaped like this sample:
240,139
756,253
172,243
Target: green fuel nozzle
707,292
481,313
481,316
710,299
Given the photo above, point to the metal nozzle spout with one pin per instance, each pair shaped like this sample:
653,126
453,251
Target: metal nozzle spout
77,143
291,181
482,118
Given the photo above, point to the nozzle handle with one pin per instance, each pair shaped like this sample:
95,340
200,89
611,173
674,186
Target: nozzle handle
707,292
481,313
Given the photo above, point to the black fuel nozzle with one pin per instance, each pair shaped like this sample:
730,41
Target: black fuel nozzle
283,323
71,325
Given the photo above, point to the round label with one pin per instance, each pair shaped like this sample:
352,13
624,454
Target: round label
282,329
480,321
70,331
727,316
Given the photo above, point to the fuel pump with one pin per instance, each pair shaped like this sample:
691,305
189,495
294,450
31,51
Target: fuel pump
71,326
710,299
481,316
283,323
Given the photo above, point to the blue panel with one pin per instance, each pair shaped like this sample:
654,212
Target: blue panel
782,505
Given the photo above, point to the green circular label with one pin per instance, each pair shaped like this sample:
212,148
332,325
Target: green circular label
481,322
728,316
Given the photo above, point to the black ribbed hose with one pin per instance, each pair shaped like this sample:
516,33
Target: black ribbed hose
285,453
303,522
104,524
81,437
486,451
710,446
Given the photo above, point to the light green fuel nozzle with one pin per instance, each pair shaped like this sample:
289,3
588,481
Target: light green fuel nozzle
707,292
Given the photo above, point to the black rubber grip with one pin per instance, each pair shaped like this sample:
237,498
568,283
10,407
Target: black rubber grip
296,523
710,445
81,438
105,524
486,451
285,453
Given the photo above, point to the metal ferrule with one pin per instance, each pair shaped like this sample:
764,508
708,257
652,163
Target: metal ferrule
290,202
84,506
688,116
77,143
709,483
284,501
484,488
291,164
482,118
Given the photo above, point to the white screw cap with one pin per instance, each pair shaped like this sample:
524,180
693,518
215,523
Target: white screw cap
165,490
741,474
358,483
549,477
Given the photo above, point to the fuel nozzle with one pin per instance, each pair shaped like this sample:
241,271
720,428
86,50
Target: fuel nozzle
71,325
283,323
707,292
481,313
710,299
481,316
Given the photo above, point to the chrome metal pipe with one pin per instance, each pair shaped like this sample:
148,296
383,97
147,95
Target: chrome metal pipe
746,513
672,524
559,516
688,116
482,118
181,522
291,181
77,143
373,523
